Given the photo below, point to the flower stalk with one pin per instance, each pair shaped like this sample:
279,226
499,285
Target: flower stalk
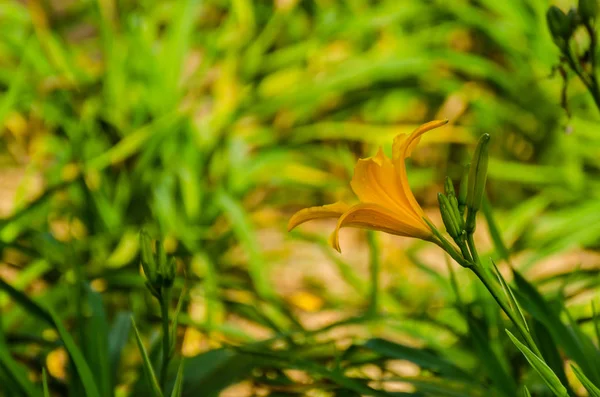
159,272
562,28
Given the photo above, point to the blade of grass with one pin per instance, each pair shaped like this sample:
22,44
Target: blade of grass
548,376
421,357
178,387
117,339
595,322
146,363
245,233
95,345
592,389
30,305
495,234
374,266
45,383
510,296
81,366
538,307
175,321
16,372
489,359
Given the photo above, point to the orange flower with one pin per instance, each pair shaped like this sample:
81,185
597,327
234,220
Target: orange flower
386,202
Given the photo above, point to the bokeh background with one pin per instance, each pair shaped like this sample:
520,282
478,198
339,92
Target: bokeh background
208,123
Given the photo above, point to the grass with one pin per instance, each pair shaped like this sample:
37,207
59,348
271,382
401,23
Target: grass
209,123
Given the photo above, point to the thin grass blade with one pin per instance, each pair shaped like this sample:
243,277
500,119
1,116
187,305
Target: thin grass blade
147,364
541,368
81,366
592,389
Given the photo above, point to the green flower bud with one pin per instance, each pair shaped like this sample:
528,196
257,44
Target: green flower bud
588,9
166,273
158,269
451,195
449,187
147,256
477,179
457,215
462,191
573,20
559,26
448,216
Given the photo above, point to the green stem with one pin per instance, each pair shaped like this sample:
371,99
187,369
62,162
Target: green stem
498,294
590,82
450,250
473,249
164,314
463,248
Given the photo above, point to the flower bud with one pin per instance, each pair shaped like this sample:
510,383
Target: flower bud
457,215
147,256
588,9
166,273
477,179
462,191
573,20
158,269
453,202
448,216
559,26
449,187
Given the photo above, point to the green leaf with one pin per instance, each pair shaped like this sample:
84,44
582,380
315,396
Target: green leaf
566,338
592,389
510,296
525,392
146,363
30,305
45,383
487,356
95,345
117,339
244,231
549,350
596,322
541,368
81,366
16,372
178,387
214,370
495,234
175,321
423,358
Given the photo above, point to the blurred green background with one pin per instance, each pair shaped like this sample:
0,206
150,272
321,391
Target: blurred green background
208,123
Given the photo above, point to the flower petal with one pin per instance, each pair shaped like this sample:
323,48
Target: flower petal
376,181
404,144
401,149
334,210
375,217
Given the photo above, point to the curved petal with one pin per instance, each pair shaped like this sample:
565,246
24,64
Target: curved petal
404,144
334,210
375,217
401,149
376,181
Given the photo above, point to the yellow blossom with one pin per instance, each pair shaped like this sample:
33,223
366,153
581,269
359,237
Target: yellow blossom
386,202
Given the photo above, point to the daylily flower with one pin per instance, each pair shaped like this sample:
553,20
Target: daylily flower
386,202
